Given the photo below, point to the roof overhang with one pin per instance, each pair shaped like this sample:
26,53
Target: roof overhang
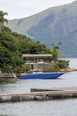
36,55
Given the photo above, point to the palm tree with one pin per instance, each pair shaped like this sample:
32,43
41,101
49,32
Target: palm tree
2,19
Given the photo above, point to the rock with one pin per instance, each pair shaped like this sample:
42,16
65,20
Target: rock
7,75
68,69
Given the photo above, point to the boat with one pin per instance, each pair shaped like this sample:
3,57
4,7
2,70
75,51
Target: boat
42,75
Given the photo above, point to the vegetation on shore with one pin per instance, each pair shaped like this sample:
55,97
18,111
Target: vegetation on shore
59,64
13,45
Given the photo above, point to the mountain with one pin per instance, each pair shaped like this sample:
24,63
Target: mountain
53,25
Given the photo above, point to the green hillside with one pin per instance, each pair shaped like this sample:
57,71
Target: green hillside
56,24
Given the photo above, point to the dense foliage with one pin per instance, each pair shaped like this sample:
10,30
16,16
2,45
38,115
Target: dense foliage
12,46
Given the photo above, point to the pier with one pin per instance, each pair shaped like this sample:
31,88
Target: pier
41,94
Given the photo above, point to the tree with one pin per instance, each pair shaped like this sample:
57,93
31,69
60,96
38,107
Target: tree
10,57
2,19
55,52
59,64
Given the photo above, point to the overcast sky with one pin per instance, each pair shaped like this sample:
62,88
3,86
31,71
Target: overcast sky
24,8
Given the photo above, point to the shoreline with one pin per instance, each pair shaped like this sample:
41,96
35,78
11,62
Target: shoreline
68,69
14,75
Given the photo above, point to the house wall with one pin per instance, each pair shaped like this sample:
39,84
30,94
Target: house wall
39,66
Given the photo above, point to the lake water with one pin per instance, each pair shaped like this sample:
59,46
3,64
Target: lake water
66,107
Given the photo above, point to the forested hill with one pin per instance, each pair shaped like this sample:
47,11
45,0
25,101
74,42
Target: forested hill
56,24
12,46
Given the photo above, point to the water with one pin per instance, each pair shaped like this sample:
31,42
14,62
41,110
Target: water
67,107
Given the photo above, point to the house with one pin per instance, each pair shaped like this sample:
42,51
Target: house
38,62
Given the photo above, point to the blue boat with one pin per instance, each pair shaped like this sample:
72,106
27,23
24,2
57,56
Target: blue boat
42,75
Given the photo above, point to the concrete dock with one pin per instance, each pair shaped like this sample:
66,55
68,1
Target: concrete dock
41,94
73,88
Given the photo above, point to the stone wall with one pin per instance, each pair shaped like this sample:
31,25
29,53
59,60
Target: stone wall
39,66
7,75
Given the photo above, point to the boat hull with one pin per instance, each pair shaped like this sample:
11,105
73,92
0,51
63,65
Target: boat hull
41,76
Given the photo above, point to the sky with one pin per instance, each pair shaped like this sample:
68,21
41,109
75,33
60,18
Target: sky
24,8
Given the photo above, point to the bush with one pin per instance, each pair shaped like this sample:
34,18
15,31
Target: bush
7,69
54,69
22,69
63,64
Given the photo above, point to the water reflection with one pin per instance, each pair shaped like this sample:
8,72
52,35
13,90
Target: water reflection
3,115
6,81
